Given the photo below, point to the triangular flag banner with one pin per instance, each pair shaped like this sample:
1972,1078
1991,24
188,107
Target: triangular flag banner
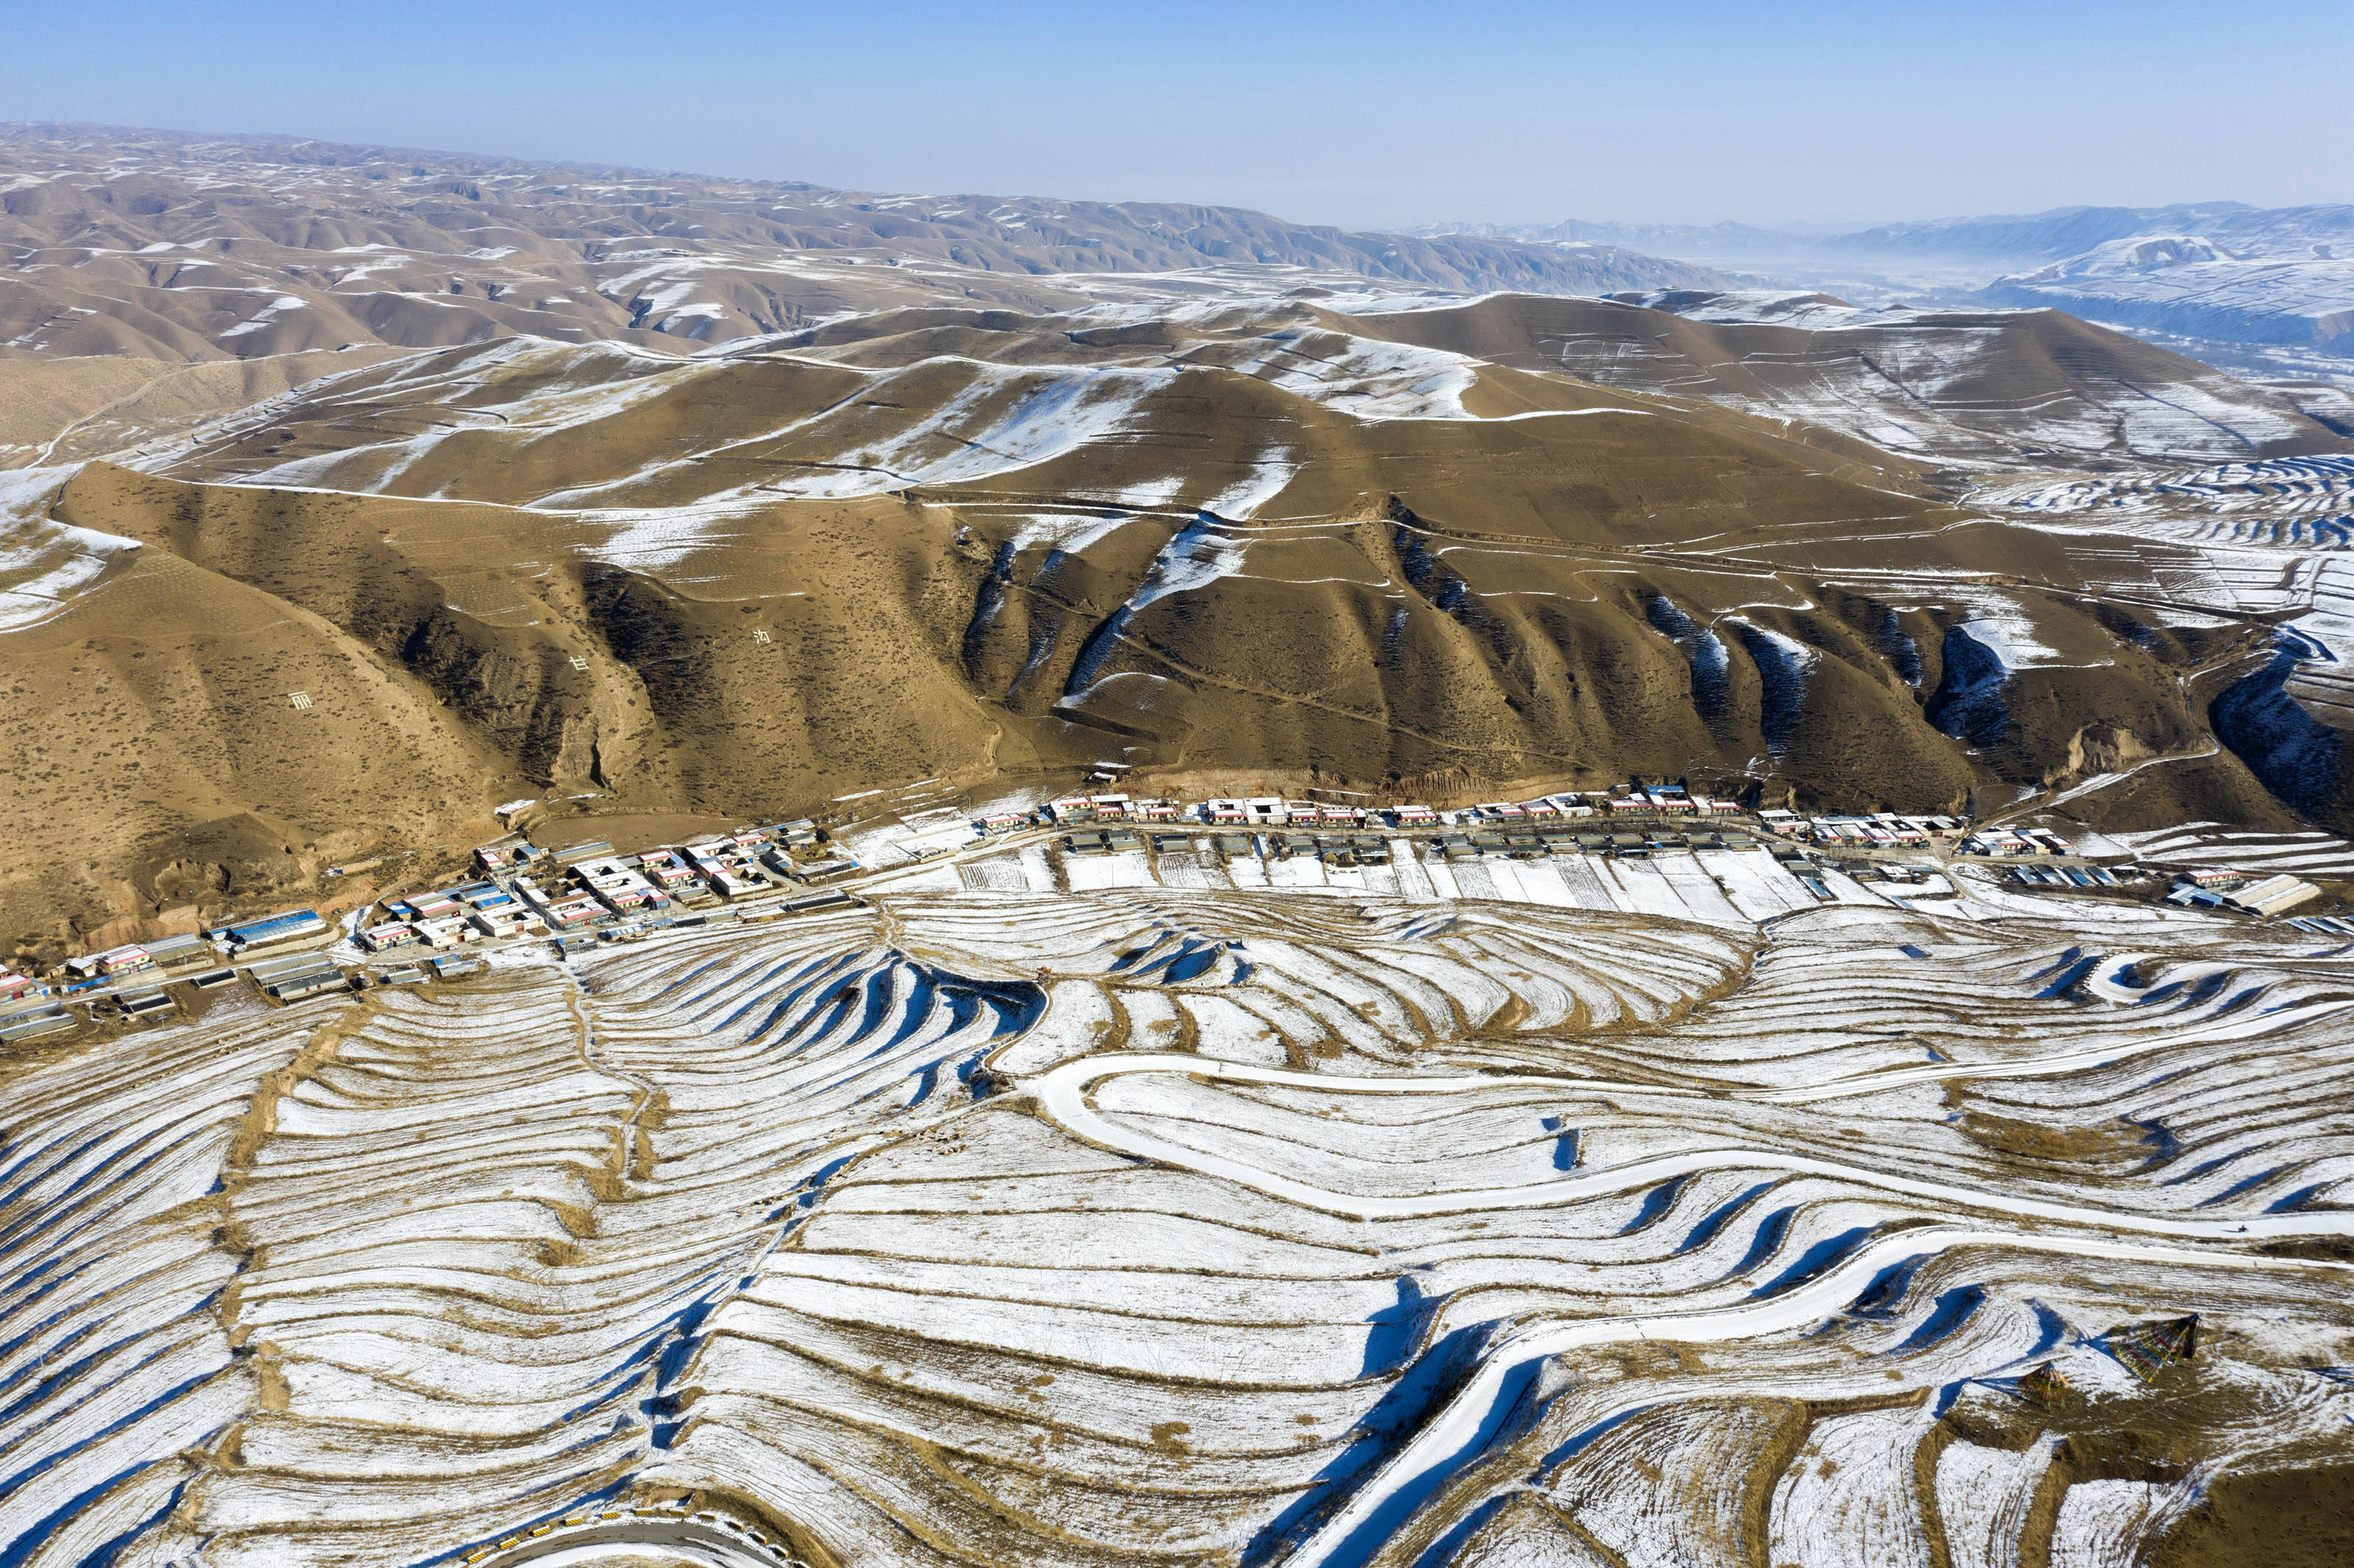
2043,1387
2144,1347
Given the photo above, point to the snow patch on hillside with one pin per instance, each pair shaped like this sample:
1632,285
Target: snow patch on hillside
44,564
1008,418
1240,501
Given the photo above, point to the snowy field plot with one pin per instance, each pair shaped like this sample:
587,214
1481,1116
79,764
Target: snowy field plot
2307,854
1165,1224
1527,882
1702,897
1197,871
1846,889
1640,887
998,873
1755,884
1092,873
1414,884
2260,537
1584,882
1675,886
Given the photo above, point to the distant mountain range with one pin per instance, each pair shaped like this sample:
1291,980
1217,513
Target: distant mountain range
2214,273
1995,243
162,244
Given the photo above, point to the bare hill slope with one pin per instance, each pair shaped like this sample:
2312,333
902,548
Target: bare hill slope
1997,388
975,544
60,410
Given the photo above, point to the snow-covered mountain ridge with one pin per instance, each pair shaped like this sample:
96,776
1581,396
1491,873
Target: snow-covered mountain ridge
2278,282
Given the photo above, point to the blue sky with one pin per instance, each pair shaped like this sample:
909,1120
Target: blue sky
1365,114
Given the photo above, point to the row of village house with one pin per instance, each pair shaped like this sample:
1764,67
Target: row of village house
591,882
554,891
570,889
1884,830
1272,811
166,953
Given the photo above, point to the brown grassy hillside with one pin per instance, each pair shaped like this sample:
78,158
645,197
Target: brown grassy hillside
2024,389
976,545
64,411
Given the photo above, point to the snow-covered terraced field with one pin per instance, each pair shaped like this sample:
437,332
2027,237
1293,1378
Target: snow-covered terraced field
2243,537
2306,854
1172,1222
2265,538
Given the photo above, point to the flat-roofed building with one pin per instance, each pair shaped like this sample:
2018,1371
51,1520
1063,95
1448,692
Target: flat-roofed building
390,934
173,952
663,868
308,983
113,961
33,1024
454,932
515,921
571,914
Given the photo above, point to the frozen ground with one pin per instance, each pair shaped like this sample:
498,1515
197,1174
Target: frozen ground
1918,383
2240,538
44,564
1211,1211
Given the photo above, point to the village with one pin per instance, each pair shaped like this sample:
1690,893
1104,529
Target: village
579,895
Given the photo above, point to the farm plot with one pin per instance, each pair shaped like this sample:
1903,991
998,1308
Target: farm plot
1162,1223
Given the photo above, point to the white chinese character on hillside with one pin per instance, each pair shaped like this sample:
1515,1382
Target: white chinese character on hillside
300,699
760,635
579,662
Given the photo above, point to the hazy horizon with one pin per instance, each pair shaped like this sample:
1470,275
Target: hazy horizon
1382,116
1797,226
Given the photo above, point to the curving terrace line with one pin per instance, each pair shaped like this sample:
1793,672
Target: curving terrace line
1460,1432
743,1215
627,1535
1063,1095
